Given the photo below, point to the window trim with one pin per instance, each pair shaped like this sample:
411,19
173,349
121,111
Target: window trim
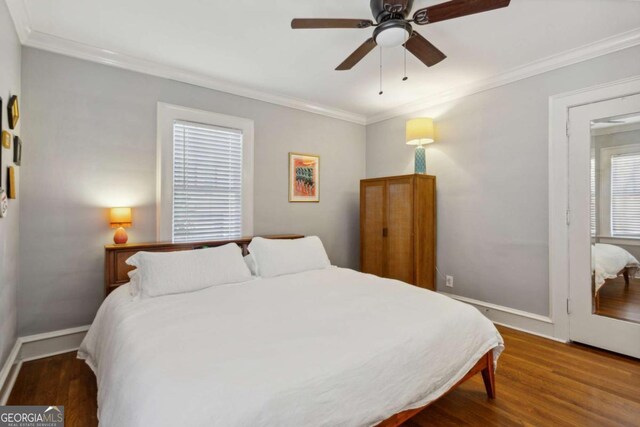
604,198
166,115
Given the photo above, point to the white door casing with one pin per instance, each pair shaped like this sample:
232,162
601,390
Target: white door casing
559,106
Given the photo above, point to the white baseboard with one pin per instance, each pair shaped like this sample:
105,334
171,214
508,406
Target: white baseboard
524,321
51,343
9,372
34,347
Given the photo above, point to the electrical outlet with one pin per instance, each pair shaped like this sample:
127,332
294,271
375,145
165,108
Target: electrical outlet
449,282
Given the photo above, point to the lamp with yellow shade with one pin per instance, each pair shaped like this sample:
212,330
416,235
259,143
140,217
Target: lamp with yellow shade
120,218
419,132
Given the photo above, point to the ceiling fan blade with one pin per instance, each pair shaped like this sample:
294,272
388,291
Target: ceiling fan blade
330,23
455,9
357,55
422,49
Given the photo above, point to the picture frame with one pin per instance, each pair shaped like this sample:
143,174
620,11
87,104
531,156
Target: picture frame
4,203
17,150
11,183
304,178
13,111
6,139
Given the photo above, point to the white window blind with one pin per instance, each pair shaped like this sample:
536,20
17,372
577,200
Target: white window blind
593,197
625,195
207,182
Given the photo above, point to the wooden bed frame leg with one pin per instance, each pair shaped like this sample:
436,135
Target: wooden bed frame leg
484,365
625,274
489,377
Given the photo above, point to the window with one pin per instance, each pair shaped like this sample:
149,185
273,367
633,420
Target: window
204,175
625,195
618,197
207,182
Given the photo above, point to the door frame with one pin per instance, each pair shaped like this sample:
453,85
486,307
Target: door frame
559,214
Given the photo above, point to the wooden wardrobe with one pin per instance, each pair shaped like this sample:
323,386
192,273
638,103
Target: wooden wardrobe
398,228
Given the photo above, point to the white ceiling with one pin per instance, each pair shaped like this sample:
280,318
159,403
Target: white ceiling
249,43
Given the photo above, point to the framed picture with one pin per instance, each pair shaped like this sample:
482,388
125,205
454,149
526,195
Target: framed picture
6,139
17,150
11,183
304,177
13,111
4,203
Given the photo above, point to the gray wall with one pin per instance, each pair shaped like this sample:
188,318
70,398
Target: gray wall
91,132
9,85
490,159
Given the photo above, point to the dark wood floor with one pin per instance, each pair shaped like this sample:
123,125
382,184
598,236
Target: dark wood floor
539,383
63,379
619,302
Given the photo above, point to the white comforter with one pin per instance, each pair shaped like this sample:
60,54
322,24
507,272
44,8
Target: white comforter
608,260
328,347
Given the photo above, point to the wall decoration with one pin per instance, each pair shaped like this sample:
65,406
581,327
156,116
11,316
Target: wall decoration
11,182
13,111
4,203
304,177
17,150
6,139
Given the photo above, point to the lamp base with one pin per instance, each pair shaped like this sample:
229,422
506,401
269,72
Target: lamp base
421,160
120,237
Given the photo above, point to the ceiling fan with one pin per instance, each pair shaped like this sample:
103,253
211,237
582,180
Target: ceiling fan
392,28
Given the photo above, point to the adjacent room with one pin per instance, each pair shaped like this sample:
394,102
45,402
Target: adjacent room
615,211
327,213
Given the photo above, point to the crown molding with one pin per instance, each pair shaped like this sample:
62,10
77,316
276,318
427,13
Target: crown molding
74,49
20,17
569,57
619,128
44,41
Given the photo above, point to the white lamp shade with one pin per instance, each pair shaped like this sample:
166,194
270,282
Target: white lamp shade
419,131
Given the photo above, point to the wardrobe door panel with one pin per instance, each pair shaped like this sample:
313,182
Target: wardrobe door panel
399,241
425,232
372,209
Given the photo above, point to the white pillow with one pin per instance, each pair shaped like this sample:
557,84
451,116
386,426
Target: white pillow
134,283
275,257
163,273
251,264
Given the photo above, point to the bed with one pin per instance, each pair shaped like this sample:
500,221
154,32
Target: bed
328,347
610,262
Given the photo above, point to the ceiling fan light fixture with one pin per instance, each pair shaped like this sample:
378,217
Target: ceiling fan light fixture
392,27
392,37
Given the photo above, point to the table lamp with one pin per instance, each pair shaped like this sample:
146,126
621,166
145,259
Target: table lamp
120,218
419,132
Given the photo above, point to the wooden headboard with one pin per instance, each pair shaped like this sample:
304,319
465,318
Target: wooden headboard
116,269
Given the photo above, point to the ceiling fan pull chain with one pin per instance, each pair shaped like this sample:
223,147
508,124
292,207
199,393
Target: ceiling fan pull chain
381,92
404,79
